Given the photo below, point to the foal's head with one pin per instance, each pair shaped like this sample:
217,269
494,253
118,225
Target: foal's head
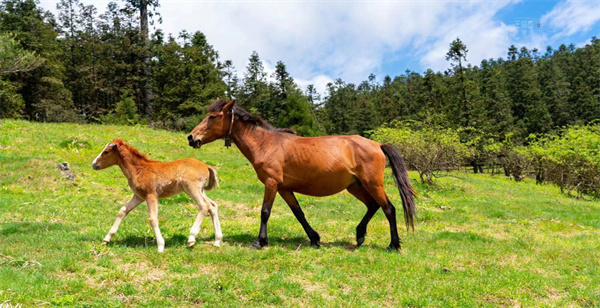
216,125
109,156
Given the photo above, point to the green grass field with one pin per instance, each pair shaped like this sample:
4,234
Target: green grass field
479,240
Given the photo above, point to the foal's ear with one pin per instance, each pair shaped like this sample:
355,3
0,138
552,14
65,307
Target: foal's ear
227,108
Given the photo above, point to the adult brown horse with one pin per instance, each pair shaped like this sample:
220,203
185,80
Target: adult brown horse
315,166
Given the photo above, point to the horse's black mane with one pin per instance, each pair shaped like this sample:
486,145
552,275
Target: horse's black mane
242,115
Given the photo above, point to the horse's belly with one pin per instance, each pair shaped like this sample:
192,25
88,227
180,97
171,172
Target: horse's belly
322,185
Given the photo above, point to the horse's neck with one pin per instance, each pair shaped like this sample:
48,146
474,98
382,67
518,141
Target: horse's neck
129,165
249,139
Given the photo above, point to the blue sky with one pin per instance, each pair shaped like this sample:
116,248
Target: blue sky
321,41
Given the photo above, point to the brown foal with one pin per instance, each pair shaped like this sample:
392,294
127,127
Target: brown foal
150,180
316,166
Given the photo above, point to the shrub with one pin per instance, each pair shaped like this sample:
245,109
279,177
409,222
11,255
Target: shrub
570,160
425,149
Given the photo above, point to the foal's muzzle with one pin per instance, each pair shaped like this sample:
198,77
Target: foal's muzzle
194,143
95,166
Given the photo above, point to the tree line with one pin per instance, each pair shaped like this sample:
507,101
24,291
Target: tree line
81,66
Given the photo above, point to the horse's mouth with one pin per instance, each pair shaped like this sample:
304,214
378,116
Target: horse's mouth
196,144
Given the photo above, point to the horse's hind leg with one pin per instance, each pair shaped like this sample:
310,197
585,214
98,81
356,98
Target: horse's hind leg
363,195
378,193
291,200
130,205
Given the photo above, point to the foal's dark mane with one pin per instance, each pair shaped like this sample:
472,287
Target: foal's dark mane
242,115
123,146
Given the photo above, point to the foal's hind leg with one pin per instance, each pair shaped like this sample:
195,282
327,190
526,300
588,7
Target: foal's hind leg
214,215
363,195
152,201
130,205
378,193
203,205
291,200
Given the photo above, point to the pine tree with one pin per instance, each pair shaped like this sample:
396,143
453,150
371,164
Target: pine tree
42,89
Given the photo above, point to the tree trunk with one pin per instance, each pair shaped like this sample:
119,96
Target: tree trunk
147,95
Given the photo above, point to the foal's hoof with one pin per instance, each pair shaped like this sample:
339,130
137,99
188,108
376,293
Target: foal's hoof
360,241
258,244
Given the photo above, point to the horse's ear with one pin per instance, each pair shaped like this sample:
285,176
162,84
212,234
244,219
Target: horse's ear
227,108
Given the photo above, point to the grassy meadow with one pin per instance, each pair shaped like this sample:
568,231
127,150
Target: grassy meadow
479,240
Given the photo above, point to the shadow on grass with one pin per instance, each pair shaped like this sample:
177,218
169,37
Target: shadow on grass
242,240
246,240
145,241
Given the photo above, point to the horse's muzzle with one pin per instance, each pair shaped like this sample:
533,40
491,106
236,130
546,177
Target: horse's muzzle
95,167
194,143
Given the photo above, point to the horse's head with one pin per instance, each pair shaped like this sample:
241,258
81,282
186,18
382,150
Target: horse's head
109,156
215,126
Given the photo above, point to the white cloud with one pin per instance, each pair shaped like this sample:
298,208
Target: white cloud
572,16
346,40
475,25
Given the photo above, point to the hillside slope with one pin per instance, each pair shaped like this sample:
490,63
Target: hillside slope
479,240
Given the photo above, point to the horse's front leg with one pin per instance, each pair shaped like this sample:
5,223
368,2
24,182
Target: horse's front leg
131,204
270,192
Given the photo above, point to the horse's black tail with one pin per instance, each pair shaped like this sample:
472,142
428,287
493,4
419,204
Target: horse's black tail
407,192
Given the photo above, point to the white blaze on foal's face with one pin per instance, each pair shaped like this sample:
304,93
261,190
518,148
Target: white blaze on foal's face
106,158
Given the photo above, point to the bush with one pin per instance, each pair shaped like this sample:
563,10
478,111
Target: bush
570,160
425,149
483,148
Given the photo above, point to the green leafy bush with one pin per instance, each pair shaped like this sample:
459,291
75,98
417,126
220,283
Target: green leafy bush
570,160
425,149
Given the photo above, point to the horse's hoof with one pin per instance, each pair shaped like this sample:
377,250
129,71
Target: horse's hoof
105,242
191,244
258,245
161,249
315,245
217,244
360,241
393,247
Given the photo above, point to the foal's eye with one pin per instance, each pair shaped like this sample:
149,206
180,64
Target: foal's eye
105,152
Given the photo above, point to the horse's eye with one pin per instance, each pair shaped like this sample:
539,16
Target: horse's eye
212,117
105,152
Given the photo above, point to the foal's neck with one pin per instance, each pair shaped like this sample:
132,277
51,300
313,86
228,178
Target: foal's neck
128,163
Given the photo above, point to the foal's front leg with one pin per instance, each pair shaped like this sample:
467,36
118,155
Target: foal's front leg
152,202
130,205
270,192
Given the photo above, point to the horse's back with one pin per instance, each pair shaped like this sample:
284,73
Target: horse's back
322,166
